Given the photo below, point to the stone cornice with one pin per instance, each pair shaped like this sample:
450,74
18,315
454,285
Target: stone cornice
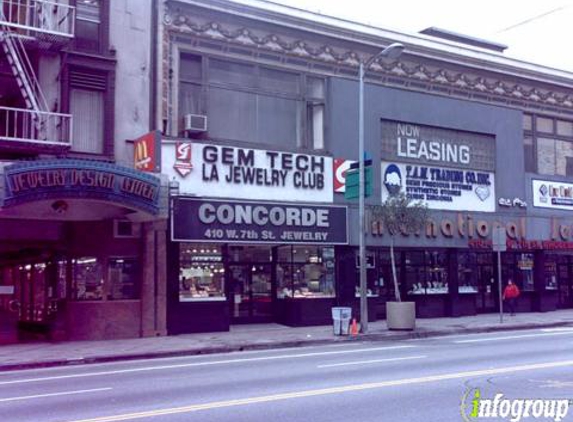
440,73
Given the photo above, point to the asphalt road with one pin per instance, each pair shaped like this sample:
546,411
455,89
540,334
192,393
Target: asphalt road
415,380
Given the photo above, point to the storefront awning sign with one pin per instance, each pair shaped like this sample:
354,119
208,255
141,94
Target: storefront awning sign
80,179
197,220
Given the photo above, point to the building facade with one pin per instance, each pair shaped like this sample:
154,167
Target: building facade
82,232
180,166
259,105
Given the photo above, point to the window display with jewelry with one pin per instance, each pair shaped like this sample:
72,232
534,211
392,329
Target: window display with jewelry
201,273
426,272
305,272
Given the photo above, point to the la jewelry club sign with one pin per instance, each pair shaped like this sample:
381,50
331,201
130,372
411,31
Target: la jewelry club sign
245,173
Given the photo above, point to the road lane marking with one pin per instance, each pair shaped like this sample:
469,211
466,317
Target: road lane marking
478,340
208,363
557,329
62,393
324,392
366,362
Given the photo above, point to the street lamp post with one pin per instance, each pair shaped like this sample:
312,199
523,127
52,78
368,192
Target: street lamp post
393,51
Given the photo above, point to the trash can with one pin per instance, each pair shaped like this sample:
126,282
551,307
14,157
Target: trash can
341,320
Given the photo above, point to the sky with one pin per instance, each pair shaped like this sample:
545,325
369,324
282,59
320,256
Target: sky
536,31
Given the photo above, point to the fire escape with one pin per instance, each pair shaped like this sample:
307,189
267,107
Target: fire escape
44,25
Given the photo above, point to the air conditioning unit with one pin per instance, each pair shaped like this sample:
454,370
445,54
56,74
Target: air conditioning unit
196,123
126,229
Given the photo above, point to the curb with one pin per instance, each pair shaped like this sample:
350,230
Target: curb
394,336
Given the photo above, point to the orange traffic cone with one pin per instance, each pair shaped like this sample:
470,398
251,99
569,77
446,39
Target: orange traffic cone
354,328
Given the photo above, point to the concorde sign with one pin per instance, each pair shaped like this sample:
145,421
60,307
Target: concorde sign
198,220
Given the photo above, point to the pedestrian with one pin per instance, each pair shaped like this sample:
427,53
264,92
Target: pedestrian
510,295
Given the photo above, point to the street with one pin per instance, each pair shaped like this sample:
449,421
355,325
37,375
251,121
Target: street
413,380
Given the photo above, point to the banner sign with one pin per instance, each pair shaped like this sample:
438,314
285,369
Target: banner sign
244,173
440,188
60,179
556,195
434,146
196,220
147,152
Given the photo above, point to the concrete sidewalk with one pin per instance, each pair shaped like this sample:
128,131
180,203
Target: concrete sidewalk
256,337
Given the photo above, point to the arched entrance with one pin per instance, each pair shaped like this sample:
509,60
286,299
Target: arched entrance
77,251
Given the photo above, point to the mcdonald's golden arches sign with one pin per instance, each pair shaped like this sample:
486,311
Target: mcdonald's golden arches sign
147,152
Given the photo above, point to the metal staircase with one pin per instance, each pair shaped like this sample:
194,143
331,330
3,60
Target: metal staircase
22,68
35,123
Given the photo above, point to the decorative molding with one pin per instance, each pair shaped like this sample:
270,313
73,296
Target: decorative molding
447,78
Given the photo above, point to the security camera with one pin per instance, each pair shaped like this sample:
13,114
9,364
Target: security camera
60,207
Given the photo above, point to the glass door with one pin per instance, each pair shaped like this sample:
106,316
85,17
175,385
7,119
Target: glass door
564,285
487,289
251,299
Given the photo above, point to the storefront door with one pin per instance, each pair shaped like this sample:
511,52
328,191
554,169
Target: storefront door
487,289
250,298
34,296
564,285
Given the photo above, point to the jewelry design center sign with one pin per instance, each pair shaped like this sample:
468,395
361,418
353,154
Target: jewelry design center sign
57,179
196,220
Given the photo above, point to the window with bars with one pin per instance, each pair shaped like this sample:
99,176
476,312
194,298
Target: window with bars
253,103
548,145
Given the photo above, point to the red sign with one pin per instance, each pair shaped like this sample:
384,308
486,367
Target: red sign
516,245
183,164
340,167
147,152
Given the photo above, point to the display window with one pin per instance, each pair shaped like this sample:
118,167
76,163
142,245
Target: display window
87,279
201,273
123,279
374,277
426,272
467,272
550,272
519,268
305,272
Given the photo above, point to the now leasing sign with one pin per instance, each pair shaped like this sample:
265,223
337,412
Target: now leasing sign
245,173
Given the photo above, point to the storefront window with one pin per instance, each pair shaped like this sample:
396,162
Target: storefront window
525,266
123,279
550,273
250,254
87,276
372,276
384,279
62,278
467,273
426,272
201,273
305,272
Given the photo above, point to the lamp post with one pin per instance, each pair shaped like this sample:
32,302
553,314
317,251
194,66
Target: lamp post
393,51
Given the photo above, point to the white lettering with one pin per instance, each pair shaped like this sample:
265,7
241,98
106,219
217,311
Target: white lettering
433,151
207,213
225,214
562,409
322,218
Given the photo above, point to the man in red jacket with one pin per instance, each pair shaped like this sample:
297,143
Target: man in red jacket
510,295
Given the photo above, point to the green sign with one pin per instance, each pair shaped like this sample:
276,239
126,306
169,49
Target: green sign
353,182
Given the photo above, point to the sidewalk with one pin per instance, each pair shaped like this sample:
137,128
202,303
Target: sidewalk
257,337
